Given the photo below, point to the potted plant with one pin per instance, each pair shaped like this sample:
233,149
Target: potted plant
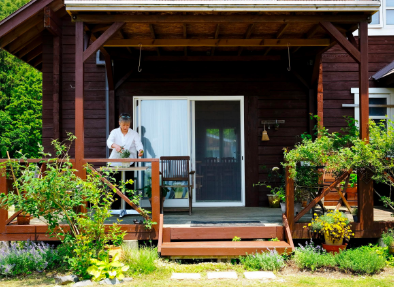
352,187
148,192
125,153
335,227
116,236
388,240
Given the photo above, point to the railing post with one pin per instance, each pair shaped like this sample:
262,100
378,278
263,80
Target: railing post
3,189
289,200
156,196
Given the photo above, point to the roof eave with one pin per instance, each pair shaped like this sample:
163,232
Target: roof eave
225,6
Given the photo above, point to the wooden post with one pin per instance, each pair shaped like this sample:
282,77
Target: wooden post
111,92
79,117
290,200
365,186
56,86
3,189
156,196
320,95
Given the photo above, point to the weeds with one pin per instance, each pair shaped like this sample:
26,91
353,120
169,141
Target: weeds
141,261
267,261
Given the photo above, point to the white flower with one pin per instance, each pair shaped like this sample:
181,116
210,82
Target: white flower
275,168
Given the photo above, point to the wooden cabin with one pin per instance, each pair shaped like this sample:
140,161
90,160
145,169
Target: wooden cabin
200,79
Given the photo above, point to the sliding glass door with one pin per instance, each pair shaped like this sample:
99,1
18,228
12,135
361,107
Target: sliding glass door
210,131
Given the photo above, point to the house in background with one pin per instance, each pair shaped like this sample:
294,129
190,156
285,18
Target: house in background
201,79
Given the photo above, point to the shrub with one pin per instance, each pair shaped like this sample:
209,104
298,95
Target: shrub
312,258
267,261
27,257
388,237
363,260
140,261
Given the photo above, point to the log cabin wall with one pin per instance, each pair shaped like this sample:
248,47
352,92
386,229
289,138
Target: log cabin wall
270,92
94,103
340,74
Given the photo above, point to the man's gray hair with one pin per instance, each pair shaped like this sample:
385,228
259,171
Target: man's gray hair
124,118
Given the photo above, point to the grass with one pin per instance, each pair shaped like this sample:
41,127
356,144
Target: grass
162,278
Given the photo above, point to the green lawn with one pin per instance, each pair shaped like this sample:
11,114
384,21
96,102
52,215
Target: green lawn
162,278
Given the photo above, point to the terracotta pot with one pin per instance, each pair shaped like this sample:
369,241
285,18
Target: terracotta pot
113,250
330,242
23,219
273,200
351,189
391,248
304,203
333,248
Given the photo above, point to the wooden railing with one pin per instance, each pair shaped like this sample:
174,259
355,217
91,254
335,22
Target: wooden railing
37,232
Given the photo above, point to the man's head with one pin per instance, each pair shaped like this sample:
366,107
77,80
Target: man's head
124,122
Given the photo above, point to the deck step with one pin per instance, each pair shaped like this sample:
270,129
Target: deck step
222,248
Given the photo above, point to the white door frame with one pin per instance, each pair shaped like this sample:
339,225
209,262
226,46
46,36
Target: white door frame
191,150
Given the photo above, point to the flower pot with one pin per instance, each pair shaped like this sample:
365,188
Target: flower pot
113,250
391,248
304,203
283,207
333,248
297,207
23,219
352,190
273,200
330,242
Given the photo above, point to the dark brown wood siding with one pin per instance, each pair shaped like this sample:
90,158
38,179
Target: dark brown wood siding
340,74
94,97
270,92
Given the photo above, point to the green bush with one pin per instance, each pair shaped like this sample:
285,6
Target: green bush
140,261
267,261
362,260
312,258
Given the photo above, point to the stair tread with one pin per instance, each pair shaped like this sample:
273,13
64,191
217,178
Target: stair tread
227,244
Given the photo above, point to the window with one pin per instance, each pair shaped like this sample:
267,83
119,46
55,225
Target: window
377,96
382,23
389,12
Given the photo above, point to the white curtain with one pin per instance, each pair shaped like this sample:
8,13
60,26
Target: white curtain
164,128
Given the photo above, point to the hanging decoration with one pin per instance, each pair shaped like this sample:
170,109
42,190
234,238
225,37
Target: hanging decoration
265,136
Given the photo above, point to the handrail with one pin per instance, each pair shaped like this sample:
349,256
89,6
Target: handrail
72,160
121,159
160,241
288,232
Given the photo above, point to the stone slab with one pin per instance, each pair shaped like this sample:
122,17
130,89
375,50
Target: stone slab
222,275
83,283
259,275
185,276
132,244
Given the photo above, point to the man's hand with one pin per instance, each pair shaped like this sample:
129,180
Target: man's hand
117,147
140,152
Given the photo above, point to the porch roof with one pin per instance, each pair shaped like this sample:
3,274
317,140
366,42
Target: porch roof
222,5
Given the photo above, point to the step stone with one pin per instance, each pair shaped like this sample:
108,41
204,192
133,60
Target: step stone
259,275
222,275
185,276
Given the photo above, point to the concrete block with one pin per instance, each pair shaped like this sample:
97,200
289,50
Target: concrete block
185,276
222,275
259,275
132,244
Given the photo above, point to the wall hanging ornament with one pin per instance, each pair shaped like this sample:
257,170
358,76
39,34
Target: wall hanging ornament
265,136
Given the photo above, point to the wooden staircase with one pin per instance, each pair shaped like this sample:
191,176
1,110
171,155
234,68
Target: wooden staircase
216,242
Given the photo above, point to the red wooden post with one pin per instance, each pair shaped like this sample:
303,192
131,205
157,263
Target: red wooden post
156,196
56,86
3,189
320,95
365,187
79,85
289,200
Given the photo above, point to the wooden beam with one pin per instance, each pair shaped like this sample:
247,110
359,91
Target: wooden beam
95,46
278,35
12,217
156,198
92,39
320,104
30,46
215,37
33,54
342,41
153,19
100,28
288,232
51,22
22,29
340,201
27,12
20,43
79,91
309,35
365,186
289,200
152,31
216,42
249,32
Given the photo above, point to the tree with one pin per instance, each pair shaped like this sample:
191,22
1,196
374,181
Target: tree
20,99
